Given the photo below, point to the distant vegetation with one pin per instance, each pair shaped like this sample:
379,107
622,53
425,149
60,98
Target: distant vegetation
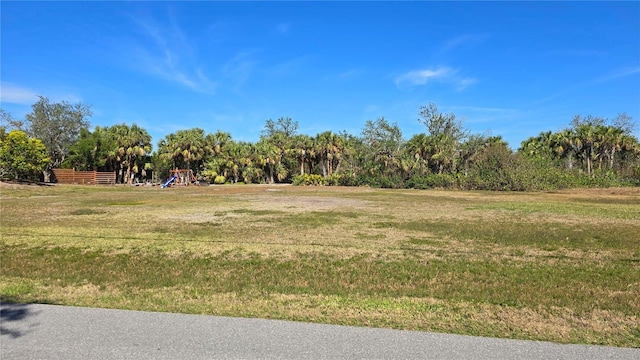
590,152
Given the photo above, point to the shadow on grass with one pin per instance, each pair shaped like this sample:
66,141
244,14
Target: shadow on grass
25,182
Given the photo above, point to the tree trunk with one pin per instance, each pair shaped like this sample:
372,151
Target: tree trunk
338,166
611,158
324,168
128,176
570,161
46,175
123,170
188,182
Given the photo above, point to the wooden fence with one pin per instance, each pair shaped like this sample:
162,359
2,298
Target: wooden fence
70,176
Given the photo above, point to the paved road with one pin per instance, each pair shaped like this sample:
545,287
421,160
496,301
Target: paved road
62,332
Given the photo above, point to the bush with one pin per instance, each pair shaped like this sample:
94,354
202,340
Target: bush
445,181
347,180
386,181
21,157
309,179
494,169
333,180
219,180
602,179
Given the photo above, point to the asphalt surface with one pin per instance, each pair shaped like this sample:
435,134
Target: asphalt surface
62,332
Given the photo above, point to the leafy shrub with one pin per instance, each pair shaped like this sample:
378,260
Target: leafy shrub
494,169
601,179
347,180
309,179
333,180
445,181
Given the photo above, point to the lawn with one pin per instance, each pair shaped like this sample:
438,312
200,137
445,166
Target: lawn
558,266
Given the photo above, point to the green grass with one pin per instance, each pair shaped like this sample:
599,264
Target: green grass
513,232
526,265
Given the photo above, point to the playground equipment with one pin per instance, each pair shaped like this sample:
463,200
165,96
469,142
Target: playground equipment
169,182
182,177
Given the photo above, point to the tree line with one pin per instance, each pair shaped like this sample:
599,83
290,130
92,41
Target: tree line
591,151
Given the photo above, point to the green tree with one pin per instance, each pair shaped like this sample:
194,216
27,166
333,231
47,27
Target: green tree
303,150
329,150
446,133
417,151
587,138
218,140
8,123
563,145
22,157
254,172
382,151
132,153
495,167
231,162
93,151
472,148
278,137
188,149
58,126
284,126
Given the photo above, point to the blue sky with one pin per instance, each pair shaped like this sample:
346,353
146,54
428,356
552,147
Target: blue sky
508,68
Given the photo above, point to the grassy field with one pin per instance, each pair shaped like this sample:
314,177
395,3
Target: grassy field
561,266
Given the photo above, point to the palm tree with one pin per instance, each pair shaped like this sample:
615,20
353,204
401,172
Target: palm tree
611,139
232,162
474,146
419,148
330,149
191,149
585,141
563,145
218,140
267,156
278,136
255,164
302,150
133,144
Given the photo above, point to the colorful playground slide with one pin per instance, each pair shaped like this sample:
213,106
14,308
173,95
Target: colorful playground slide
169,182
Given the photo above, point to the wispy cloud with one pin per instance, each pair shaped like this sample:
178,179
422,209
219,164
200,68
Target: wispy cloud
619,73
462,83
425,76
12,94
239,69
462,41
22,95
421,77
163,50
371,108
349,73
